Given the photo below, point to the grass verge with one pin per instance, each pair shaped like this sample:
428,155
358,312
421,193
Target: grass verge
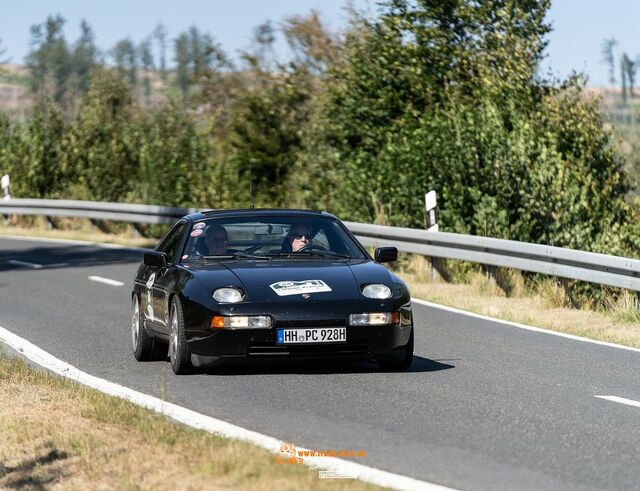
58,434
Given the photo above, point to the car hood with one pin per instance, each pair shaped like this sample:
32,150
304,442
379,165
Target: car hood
277,281
264,280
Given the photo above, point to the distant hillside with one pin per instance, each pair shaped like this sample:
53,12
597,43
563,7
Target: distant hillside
16,99
14,90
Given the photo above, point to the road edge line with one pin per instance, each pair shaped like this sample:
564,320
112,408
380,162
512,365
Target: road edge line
209,423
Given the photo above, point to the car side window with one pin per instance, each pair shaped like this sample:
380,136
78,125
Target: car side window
170,245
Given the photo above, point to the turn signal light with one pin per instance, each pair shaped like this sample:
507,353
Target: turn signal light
241,322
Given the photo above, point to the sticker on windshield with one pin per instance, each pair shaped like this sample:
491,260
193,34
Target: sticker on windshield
198,226
197,233
284,288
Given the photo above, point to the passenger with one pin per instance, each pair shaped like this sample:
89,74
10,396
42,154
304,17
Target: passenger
216,240
300,236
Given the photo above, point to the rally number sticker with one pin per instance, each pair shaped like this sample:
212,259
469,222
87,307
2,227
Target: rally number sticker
285,288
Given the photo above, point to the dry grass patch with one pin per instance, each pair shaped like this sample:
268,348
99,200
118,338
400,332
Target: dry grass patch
60,435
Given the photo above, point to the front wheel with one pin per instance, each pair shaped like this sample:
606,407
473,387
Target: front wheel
399,363
179,353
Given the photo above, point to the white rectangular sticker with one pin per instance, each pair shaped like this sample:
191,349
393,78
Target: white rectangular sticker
284,288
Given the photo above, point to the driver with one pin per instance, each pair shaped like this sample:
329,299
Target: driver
300,236
216,240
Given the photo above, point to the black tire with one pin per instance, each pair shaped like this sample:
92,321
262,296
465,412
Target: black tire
145,348
179,354
160,350
142,343
399,363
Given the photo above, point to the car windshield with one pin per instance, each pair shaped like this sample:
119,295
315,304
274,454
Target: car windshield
270,237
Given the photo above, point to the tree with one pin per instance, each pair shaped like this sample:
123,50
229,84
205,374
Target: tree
628,75
608,58
145,54
125,57
267,129
84,56
173,158
104,140
182,59
312,45
49,59
262,57
196,55
160,35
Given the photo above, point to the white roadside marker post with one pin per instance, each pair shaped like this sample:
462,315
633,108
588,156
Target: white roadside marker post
4,184
431,224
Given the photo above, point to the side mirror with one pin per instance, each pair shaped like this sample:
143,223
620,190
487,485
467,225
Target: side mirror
386,254
157,259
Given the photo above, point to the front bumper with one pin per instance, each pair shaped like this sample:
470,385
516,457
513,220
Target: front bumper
362,341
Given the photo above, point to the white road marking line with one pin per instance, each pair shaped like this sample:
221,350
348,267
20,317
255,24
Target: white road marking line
621,400
208,423
523,326
15,262
106,281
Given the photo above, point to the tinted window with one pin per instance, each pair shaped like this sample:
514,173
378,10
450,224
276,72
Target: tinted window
171,242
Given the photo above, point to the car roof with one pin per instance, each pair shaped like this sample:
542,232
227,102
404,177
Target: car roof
261,212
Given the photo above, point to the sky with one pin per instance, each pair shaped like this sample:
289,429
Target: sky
579,26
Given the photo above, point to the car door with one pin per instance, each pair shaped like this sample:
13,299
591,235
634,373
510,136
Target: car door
160,282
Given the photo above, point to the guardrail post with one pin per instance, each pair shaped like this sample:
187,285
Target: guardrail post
490,272
138,231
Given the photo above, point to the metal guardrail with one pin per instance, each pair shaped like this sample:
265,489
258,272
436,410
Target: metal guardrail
566,263
94,210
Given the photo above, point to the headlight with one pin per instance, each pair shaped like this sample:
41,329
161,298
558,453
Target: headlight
228,295
374,319
376,291
241,322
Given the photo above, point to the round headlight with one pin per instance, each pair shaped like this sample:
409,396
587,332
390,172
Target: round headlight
376,291
228,295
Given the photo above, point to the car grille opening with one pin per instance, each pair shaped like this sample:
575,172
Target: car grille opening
271,349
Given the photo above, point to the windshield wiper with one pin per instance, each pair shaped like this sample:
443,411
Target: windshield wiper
236,255
313,253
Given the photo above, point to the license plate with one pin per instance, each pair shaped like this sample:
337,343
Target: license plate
312,335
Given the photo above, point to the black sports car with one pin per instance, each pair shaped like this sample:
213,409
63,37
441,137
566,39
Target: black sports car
234,284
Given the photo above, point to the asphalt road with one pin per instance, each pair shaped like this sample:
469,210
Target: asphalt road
484,407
